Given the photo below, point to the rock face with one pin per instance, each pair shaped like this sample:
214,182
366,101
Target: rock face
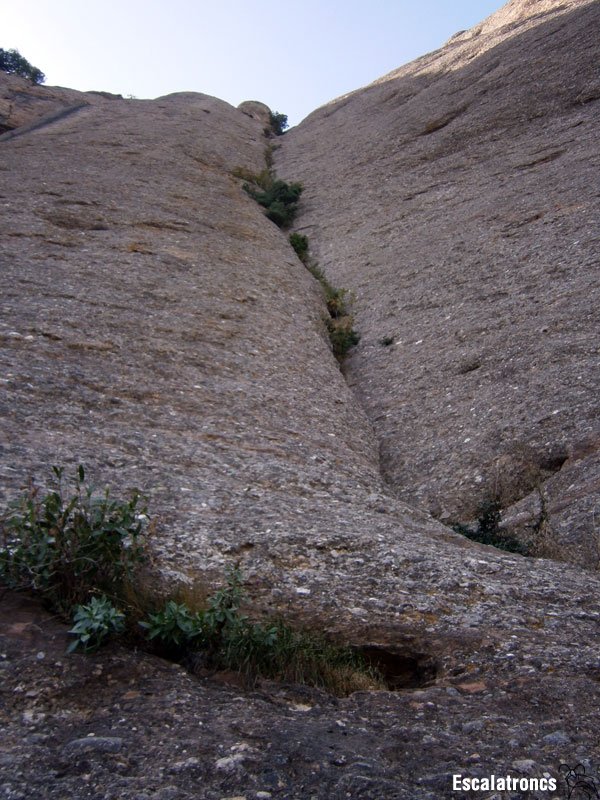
455,197
157,328
24,105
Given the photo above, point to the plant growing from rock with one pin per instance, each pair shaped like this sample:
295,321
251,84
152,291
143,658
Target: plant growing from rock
340,324
78,550
299,243
278,123
219,636
68,545
487,529
278,198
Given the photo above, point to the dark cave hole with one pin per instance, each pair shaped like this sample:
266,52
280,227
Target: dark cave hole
400,670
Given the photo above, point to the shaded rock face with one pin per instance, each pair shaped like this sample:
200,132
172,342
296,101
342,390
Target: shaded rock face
156,327
456,198
24,104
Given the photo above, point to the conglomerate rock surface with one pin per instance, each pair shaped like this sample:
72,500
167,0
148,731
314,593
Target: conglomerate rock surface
157,328
457,198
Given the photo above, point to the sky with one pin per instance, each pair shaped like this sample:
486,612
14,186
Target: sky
294,56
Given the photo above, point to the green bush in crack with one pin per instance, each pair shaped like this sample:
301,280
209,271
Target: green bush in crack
219,636
278,198
340,323
299,243
278,123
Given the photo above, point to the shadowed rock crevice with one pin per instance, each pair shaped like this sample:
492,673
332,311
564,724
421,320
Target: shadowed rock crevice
401,670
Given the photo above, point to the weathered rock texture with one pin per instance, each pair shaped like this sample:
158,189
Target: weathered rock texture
457,198
159,329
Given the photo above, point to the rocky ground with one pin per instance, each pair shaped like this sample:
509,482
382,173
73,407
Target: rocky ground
122,725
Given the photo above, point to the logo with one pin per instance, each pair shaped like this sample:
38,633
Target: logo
579,785
576,783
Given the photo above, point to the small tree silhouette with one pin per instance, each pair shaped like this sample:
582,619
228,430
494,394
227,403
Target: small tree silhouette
12,61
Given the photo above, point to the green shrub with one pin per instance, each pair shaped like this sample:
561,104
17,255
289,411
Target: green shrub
340,325
278,123
67,547
336,301
175,626
221,637
342,335
12,61
79,552
487,530
278,198
300,244
94,623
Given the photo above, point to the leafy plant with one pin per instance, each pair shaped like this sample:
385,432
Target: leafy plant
220,636
80,550
340,323
224,606
174,626
342,335
278,123
94,623
12,62
278,198
69,546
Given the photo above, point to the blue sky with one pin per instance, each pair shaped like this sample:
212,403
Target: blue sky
292,55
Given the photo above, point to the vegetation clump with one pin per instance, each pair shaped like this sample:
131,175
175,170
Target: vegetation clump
342,335
487,529
12,62
278,198
221,637
299,243
340,322
278,123
67,545
94,623
79,551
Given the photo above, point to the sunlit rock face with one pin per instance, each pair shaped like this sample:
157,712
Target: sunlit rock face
456,197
